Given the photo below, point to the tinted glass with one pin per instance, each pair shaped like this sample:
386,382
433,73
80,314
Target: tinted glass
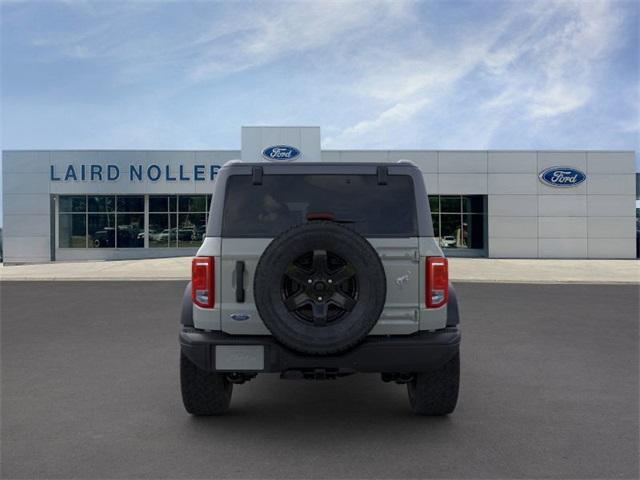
450,204
72,230
282,201
450,231
434,204
192,203
473,228
461,221
130,230
101,230
131,203
473,204
158,203
73,203
173,230
436,225
158,230
191,228
102,203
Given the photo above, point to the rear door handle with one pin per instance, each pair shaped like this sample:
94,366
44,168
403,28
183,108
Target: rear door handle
240,281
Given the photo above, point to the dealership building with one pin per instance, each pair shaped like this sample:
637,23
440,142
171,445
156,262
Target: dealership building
120,204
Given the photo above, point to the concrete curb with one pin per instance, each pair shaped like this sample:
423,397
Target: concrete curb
462,270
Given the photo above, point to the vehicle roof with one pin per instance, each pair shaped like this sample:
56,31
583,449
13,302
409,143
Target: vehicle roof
239,164
229,169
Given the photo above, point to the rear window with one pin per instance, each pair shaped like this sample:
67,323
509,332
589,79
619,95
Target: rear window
283,201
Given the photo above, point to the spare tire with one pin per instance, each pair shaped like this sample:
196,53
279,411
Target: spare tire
320,288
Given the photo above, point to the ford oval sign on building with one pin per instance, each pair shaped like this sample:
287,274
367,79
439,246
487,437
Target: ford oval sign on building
281,153
562,177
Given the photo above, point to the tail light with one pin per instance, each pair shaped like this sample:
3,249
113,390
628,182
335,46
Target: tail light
203,281
437,282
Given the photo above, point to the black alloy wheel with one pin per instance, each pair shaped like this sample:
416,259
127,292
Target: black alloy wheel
320,287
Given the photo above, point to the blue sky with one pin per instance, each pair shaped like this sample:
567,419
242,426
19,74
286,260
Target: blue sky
402,74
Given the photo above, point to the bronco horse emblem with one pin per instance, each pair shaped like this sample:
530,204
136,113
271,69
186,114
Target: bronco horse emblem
403,280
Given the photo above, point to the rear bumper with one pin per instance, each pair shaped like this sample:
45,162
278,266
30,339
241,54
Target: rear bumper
419,352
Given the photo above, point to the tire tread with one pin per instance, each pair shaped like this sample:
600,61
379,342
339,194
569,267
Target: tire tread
203,393
436,393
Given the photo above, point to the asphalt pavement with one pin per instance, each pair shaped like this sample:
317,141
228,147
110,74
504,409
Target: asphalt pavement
90,390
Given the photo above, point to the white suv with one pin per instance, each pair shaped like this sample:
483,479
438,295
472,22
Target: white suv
319,270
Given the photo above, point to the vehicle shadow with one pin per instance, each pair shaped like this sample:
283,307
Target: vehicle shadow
356,401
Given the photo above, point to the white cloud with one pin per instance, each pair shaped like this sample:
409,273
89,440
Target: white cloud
539,60
261,37
232,37
397,114
558,98
375,71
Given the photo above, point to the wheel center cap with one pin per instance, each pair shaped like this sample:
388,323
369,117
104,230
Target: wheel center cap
319,286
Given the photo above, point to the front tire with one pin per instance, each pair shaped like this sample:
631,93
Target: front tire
435,393
203,393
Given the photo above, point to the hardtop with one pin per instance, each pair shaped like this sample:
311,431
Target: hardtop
381,170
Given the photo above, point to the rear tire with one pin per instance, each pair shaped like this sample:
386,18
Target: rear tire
436,393
203,393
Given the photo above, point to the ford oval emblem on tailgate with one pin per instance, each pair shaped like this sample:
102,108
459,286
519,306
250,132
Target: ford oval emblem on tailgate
280,153
240,317
562,177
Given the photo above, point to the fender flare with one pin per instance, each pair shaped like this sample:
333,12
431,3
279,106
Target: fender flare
453,312
186,314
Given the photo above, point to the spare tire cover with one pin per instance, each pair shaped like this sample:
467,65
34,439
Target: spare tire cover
320,288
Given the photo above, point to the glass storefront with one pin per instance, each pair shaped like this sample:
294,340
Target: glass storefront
459,221
118,221
174,221
177,221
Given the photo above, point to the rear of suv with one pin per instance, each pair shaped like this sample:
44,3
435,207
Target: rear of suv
315,271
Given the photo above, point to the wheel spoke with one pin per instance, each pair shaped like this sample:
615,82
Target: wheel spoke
343,274
320,311
296,301
343,301
320,261
297,274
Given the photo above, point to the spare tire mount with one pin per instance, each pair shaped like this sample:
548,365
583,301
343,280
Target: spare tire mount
320,288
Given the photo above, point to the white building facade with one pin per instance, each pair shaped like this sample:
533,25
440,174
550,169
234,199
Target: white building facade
119,204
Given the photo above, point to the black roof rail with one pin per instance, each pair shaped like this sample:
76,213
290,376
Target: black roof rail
383,173
256,175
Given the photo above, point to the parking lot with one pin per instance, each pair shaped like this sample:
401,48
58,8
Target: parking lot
90,390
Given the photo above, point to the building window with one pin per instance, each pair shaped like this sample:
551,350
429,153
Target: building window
101,221
459,221
162,221
73,230
130,221
177,220
118,221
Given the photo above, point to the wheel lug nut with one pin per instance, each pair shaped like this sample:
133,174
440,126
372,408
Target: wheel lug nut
319,299
330,281
309,281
